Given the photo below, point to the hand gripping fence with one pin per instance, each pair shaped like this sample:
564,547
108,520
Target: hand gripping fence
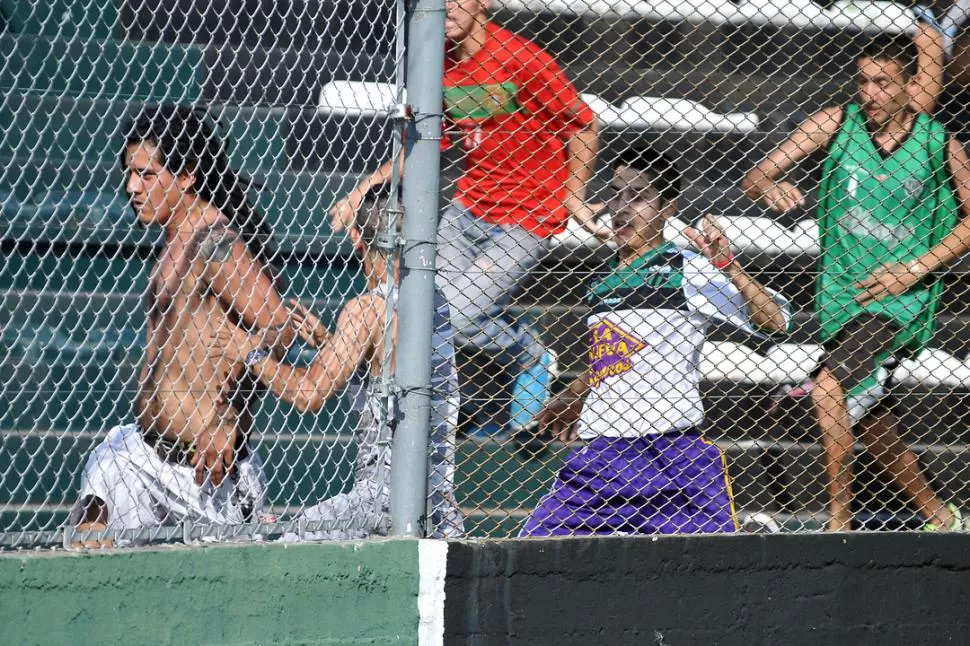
604,359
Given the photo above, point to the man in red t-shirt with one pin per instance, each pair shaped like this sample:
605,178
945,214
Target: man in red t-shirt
530,147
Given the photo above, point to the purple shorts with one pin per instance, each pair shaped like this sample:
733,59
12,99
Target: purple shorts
664,484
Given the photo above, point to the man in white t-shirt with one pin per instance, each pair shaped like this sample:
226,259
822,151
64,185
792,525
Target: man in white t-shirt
645,467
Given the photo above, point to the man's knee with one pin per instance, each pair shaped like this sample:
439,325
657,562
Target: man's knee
880,425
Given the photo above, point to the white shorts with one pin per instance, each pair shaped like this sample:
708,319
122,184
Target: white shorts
141,489
359,513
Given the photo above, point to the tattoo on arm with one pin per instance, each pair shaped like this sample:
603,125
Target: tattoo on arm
216,244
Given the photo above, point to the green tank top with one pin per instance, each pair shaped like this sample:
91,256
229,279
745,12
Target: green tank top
876,209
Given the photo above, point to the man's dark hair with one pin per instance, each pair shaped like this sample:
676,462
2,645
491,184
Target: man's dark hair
662,169
187,143
898,48
372,218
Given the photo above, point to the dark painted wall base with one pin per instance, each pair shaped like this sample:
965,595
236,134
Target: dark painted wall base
782,589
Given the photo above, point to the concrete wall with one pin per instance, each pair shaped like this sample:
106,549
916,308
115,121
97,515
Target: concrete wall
671,591
346,593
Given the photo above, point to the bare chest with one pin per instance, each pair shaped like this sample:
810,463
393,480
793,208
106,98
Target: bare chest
174,284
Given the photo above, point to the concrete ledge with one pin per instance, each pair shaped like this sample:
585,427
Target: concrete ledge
336,593
746,589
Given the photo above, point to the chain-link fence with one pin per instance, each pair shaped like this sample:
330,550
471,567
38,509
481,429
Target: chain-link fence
727,91
115,289
619,372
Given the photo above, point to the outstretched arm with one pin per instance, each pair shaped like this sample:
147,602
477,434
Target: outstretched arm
359,327
249,296
764,182
763,308
580,163
244,287
927,84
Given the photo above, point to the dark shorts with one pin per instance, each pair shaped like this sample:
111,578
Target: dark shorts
859,350
665,484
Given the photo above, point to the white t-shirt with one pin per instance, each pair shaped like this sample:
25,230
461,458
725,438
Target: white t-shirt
647,328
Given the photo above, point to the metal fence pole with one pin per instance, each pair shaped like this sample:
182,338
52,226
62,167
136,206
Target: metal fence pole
425,65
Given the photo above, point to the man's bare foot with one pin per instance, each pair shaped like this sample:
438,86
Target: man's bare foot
92,543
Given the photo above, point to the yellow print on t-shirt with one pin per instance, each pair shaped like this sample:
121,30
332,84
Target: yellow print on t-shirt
610,351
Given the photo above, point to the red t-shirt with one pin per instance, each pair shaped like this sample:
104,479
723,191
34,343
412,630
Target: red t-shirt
514,110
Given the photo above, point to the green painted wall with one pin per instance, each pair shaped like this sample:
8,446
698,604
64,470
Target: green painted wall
338,593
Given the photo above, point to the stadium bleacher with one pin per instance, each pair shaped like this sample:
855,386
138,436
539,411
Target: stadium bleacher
73,266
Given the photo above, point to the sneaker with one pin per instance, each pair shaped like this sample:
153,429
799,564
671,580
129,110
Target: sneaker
759,523
531,389
958,524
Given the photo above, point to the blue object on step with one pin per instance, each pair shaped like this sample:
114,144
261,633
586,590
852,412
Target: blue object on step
530,390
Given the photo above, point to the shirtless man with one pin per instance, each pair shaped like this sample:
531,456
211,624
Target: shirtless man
187,453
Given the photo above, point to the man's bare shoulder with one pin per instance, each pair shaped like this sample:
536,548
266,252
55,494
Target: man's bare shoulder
216,242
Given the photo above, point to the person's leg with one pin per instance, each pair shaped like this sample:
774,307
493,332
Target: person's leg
832,413
479,267
239,499
358,513
116,491
850,385
579,501
444,514
698,468
879,432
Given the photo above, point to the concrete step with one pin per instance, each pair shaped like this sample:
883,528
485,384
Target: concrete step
708,158
563,327
735,409
55,18
499,483
148,72
287,77
81,128
74,273
564,276
646,42
82,202
363,26
575,40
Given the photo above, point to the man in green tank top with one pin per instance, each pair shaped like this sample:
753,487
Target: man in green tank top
892,214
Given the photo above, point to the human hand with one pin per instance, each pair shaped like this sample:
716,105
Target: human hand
308,326
586,214
711,241
232,343
890,280
215,452
560,416
782,197
343,213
